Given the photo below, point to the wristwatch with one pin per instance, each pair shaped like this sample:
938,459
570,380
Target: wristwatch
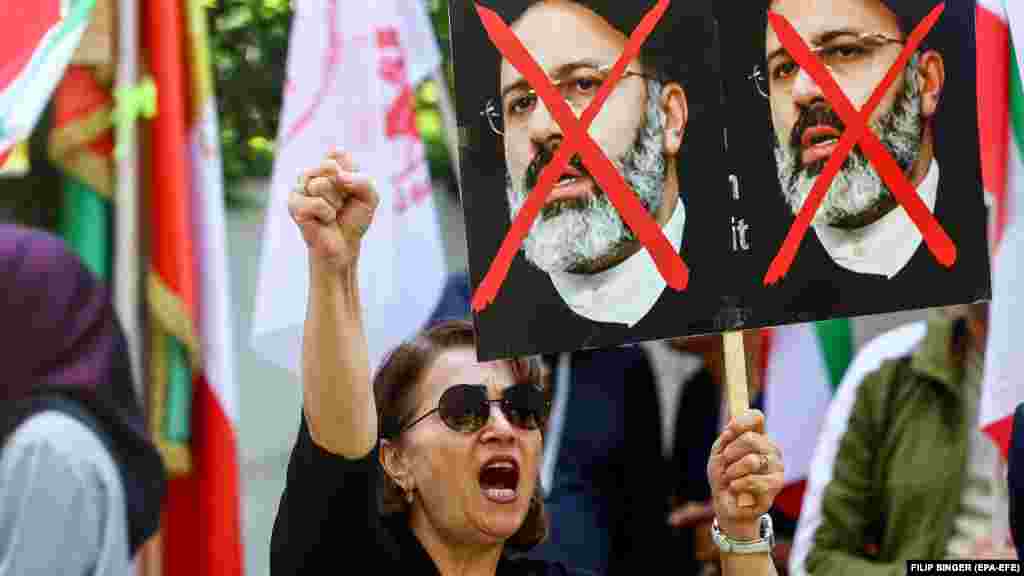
734,546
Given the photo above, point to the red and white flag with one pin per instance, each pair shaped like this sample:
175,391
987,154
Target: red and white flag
804,366
36,47
352,73
201,533
1001,126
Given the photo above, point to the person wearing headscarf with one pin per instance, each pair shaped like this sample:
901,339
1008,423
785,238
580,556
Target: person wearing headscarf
81,484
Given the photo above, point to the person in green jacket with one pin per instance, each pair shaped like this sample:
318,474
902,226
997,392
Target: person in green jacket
913,477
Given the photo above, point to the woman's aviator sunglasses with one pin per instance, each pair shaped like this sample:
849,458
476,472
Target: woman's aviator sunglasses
465,407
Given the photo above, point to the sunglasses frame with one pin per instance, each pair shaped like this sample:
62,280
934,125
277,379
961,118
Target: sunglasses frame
502,403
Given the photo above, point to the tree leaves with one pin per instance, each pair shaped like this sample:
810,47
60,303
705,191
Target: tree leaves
249,44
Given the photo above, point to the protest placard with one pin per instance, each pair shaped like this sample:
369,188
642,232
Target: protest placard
641,171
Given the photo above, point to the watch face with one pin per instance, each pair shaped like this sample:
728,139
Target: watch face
767,533
729,546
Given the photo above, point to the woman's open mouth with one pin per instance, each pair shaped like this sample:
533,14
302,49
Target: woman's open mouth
499,480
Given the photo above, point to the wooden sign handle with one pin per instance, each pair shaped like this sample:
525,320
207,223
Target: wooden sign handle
736,387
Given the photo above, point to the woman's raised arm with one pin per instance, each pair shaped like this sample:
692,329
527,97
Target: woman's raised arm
333,205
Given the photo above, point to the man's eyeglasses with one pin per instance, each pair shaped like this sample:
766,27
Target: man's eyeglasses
578,87
465,407
843,54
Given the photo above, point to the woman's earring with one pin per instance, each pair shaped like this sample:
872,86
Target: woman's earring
409,497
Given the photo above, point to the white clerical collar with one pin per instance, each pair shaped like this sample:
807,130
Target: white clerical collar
625,293
883,247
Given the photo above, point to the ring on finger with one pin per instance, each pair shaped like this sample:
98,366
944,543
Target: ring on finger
764,464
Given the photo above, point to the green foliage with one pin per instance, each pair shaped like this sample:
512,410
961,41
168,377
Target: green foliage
427,116
249,43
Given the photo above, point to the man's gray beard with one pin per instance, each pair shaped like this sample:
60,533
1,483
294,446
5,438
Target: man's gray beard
857,187
579,235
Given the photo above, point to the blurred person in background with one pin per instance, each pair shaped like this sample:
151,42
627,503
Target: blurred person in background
80,482
912,476
602,477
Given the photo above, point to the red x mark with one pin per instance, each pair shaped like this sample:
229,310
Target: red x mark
669,263
857,132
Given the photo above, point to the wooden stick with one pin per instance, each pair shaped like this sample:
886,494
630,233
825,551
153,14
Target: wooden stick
736,387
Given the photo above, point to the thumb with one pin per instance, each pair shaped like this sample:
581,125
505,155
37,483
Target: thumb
690,514
354,220
678,517
361,201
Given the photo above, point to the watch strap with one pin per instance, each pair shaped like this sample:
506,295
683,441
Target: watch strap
729,545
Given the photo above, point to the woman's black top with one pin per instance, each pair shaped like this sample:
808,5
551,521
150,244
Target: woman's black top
329,520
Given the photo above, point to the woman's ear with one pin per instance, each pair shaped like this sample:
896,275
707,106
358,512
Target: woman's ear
396,466
676,113
931,77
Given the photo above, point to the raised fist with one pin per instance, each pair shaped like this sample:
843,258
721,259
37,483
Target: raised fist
333,205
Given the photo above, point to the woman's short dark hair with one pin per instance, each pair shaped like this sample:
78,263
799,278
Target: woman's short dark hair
394,389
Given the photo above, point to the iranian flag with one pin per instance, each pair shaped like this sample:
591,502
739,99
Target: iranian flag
81,145
205,505
804,365
193,401
81,142
1001,128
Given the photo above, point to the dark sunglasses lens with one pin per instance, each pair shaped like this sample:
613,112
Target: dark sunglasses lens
523,405
464,407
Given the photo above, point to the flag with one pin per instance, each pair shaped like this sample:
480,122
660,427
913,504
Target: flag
170,282
351,78
1001,127
36,48
96,47
892,344
804,365
194,404
203,534
81,145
